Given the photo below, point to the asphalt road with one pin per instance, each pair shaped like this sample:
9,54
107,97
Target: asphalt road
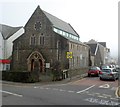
87,91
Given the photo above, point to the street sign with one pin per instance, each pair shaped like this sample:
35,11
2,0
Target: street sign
47,65
69,55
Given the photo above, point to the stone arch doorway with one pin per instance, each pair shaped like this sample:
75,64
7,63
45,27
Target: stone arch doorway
35,62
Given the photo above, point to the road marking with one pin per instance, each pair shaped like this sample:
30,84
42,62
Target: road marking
71,91
36,87
62,90
104,86
97,93
55,89
102,96
116,93
85,89
113,98
101,101
11,93
47,88
91,94
107,95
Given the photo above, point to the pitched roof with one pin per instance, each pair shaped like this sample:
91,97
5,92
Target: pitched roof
102,43
93,48
60,24
8,31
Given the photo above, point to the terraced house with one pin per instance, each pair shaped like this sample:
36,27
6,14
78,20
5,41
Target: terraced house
48,43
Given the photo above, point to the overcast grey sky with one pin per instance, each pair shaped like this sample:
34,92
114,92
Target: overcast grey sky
92,19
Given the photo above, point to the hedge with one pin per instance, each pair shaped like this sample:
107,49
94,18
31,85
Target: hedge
19,77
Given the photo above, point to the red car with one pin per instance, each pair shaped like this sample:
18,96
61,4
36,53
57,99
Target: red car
94,71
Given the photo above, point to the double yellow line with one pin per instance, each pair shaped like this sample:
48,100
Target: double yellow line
117,92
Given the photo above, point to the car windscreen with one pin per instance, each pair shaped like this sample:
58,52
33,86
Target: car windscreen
106,70
94,68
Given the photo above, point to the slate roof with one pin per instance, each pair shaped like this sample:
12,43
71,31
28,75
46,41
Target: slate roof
60,24
92,48
102,43
8,31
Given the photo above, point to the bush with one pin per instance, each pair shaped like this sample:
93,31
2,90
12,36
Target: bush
25,77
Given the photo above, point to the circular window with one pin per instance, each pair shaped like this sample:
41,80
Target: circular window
38,26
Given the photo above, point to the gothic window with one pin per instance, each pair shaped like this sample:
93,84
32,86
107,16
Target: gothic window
41,40
58,50
32,40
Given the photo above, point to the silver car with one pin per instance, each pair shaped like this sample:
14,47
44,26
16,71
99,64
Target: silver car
108,73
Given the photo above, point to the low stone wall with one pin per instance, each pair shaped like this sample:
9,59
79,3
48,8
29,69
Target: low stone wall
77,72
49,75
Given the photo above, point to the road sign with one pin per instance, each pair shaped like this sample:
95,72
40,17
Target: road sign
47,65
69,55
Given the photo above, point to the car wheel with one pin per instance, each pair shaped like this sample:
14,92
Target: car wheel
88,75
114,79
100,78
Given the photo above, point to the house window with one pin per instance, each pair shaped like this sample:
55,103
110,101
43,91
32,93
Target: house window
41,40
77,47
58,50
55,30
71,45
17,55
32,40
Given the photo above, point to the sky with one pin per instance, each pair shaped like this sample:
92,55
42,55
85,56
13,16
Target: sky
92,19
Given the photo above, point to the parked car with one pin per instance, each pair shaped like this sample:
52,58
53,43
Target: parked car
104,66
108,73
94,71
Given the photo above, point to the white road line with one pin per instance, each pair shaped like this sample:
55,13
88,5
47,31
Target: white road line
85,89
62,90
107,95
97,93
102,96
18,95
114,99
47,88
71,91
55,89
91,94
104,86
36,87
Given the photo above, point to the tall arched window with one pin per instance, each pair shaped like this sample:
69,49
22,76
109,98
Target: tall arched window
32,40
41,39
58,50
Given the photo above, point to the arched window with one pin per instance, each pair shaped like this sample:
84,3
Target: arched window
41,39
32,40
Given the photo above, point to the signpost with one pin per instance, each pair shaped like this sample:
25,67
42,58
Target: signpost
47,65
70,56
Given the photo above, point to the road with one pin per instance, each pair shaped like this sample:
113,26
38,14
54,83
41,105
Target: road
87,91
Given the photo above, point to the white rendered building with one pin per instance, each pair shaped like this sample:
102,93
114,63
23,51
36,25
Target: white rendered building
7,35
